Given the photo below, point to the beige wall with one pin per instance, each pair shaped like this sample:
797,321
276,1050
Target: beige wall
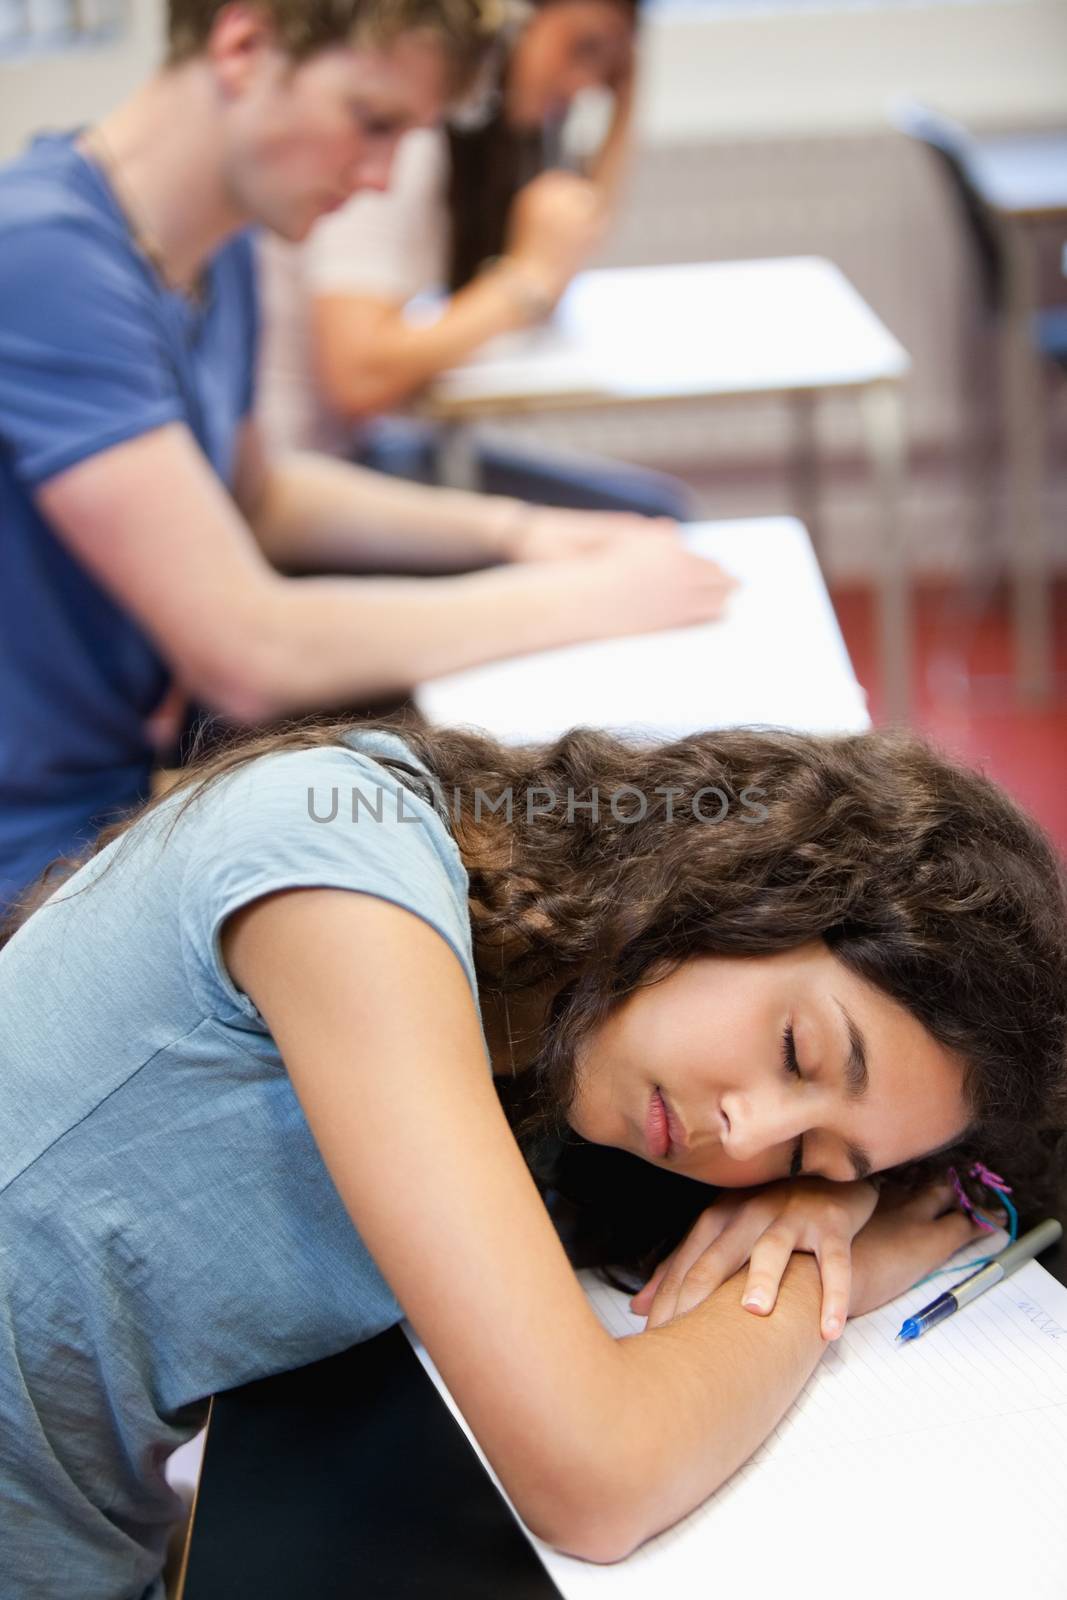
998,61
828,71
63,90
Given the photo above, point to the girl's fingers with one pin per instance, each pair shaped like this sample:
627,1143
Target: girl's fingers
941,1237
718,1262
953,1231
930,1202
834,1256
641,1301
769,1261
939,1197
695,1274
668,1276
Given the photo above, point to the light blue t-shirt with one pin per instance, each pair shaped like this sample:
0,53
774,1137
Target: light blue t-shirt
167,1225
94,351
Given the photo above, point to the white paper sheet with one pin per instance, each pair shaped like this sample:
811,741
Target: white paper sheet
900,1470
777,657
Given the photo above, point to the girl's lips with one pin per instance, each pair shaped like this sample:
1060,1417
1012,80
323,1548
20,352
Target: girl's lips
679,1137
657,1128
664,1132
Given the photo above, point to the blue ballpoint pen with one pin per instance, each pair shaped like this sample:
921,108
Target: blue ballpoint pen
1002,1265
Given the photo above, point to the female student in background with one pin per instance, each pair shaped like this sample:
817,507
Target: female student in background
477,207
278,1063
149,540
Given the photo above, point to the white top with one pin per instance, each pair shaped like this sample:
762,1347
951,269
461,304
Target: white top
640,334
777,658
387,245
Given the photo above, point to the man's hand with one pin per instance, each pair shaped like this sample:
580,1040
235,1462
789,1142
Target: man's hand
643,585
546,533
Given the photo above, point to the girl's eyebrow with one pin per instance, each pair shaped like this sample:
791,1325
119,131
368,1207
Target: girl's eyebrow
857,1077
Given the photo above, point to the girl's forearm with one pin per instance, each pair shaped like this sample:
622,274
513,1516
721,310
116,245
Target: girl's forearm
703,1392
370,370
610,165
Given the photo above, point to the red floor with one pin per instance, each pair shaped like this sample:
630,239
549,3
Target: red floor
965,695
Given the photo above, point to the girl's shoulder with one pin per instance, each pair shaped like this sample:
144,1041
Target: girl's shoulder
329,816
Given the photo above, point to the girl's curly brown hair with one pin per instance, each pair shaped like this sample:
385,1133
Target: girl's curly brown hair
920,875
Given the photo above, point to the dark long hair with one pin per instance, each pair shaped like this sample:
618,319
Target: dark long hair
488,165
920,875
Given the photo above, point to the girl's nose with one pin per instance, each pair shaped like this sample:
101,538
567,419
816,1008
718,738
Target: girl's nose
758,1124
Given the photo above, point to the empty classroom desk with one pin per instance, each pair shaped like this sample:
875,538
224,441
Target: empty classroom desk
793,327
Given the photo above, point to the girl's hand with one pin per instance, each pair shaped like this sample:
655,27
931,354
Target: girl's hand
556,222
904,1240
764,1226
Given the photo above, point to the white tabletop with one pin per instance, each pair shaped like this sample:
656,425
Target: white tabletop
777,658
682,332
1021,175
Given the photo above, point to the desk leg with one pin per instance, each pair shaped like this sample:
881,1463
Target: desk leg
458,466
1022,392
176,1584
883,419
804,467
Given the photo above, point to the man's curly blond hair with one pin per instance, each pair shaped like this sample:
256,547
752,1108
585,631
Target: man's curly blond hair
466,28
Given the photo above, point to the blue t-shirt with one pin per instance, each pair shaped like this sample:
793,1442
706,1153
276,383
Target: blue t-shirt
167,1225
94,350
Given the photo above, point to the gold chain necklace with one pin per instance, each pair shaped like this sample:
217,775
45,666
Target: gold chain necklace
146,242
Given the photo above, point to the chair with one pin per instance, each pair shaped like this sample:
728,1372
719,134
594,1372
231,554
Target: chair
952,147
956,153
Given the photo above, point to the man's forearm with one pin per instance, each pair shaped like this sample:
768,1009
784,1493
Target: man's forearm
309,643
315,512
703,1392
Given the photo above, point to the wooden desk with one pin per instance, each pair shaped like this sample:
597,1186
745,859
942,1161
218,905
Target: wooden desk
794,327
1022,180
776,657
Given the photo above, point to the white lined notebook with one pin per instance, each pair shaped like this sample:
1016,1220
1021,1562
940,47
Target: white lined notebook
898,1470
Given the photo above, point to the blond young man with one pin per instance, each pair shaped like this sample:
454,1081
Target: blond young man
146,532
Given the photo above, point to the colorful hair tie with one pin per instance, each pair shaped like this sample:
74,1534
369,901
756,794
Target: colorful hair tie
989,1180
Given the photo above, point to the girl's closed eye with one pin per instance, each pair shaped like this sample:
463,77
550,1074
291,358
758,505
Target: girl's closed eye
792,1066
789,1053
